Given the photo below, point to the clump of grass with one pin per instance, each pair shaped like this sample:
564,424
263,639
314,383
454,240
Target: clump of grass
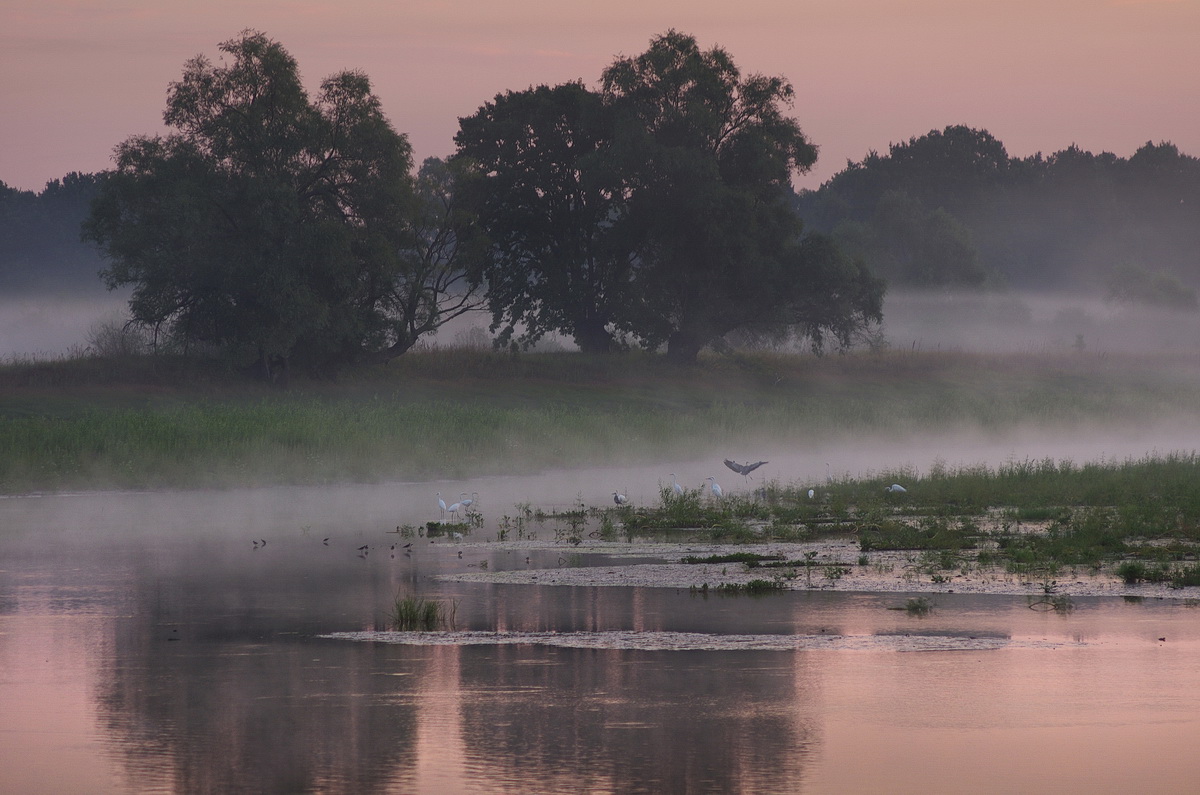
417,614
918,606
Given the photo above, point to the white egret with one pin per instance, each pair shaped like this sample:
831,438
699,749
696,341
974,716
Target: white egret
896,488
812,493
441,504
454,509
620,499
468,501
716,487
675,487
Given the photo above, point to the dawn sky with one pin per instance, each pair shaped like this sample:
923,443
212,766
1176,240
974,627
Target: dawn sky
79,76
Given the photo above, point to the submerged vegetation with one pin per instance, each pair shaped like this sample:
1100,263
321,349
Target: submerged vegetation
145,422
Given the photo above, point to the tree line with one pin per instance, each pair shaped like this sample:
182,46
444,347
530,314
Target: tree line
655,211
292,230
952,208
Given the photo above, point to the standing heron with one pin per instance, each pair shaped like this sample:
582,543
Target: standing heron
619,499
675,487
441,504
717,491
895,488
744,469
454,509
466,501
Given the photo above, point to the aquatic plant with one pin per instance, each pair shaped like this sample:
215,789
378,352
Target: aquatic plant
417,614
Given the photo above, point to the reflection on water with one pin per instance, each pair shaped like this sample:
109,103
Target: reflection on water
148,644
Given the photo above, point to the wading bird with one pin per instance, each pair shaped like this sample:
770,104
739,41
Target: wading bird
467,502
744,469
454,509
896,488
716,487
675,487
441,504
619,499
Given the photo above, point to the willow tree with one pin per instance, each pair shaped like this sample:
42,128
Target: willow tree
269,224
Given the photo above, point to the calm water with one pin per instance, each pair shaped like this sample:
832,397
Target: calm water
147,643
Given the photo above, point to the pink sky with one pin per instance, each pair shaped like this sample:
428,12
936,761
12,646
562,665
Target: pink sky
79,76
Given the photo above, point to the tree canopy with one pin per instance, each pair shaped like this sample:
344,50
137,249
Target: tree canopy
657,208
539,178
40,249
270,224
1071,218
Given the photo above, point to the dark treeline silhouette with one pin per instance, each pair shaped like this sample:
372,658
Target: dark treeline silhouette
653,212
952,208
287,230
40,247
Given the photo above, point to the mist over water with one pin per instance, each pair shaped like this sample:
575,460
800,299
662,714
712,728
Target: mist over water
174,640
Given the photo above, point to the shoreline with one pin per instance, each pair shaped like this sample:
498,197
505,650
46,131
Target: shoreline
885,572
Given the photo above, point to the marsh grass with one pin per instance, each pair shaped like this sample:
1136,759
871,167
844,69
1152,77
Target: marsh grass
1139,518
417,614
148,421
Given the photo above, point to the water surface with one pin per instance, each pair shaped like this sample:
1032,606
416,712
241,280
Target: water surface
154,642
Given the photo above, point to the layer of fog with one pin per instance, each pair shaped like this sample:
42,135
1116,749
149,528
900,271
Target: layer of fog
1033,323
985,322
45,327
368,510
52,326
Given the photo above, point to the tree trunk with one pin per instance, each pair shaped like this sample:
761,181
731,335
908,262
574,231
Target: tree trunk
592,337
684,346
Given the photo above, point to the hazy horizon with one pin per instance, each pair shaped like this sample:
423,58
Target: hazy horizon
78,77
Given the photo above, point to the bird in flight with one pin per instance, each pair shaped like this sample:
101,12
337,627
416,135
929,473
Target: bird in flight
744,469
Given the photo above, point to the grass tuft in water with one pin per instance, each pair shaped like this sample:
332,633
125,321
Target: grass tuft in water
417,614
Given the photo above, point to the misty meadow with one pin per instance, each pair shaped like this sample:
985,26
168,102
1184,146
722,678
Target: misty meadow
437,464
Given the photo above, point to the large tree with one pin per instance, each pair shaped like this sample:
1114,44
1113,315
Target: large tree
708,156
436,281
268,224
540,179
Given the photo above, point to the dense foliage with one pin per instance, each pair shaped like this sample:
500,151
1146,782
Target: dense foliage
658,208
655,211
40,247
953,208
282,229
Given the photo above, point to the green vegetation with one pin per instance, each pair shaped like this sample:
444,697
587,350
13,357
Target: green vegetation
151,421
1141,518
417,614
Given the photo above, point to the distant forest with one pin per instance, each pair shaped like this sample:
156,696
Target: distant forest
949,209
40,245
952,209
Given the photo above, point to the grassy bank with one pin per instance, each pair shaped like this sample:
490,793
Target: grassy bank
1041,520
151,422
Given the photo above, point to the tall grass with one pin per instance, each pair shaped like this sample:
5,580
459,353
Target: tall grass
418,614
458,413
